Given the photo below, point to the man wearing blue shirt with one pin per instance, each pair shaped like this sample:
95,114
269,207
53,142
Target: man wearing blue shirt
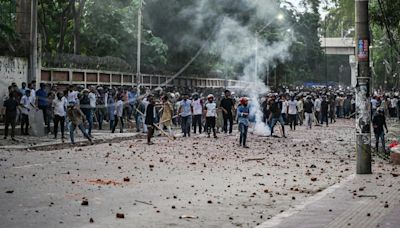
243,116
185,111
43,104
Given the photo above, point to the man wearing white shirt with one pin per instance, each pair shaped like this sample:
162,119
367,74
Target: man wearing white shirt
292,112
27,103
59,106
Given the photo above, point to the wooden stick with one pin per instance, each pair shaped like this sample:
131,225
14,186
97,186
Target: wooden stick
161,130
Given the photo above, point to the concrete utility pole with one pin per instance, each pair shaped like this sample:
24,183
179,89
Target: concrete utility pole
363,104
139,48
33,53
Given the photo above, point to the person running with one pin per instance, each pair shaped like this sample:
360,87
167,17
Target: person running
197,113
243,116
149,119
227,105
378,122
292,112
59,109
276,116
118,115
210,110
185,111
77,118
308,112
11,105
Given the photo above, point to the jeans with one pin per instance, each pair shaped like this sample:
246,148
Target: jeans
276,120
59,119
72,129
324,118
197,122
317,116
45,116
186,122
309,119
380,136
228,117
243,134
89,118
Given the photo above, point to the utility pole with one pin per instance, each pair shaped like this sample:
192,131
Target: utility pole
139,48
363,105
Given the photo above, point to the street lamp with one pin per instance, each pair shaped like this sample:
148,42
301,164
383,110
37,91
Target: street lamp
279,17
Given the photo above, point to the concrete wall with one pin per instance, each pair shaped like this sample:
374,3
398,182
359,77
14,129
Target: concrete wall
12,70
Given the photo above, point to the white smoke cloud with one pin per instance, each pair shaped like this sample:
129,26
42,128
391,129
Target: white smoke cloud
235,43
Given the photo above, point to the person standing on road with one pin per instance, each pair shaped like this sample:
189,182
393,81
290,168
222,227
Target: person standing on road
59,107
317,108
197,113
210,109
308,112
166,117
77,118
378,122
149,119
43,104
27,102
11,105
118,115
86,108
292,112
185,111
332,108
227,105
324,110
243,113
92,101
300,109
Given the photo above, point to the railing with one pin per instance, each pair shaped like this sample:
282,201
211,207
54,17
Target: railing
66,76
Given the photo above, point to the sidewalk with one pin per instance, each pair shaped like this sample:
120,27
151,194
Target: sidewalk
32,142
359,201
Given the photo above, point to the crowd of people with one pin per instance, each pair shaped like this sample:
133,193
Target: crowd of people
211,112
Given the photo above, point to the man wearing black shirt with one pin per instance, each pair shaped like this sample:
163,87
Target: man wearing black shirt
11,112
149,119
324,110
276,115
227,104
378,122
308,111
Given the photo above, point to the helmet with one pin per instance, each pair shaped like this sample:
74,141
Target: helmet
210,96
243,100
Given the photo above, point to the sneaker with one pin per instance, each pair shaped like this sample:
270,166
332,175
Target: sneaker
13,139
215,137
150,143
246,147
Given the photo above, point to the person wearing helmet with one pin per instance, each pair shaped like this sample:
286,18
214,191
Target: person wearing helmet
243,112
210,110
378,122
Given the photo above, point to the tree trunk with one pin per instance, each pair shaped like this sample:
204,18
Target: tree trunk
77,13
